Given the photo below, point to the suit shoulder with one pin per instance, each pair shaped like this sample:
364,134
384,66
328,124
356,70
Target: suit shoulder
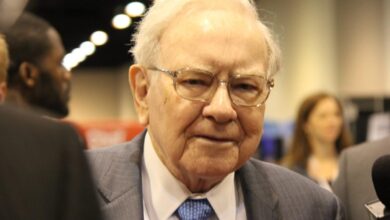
114,151
276,173
102,159
377,147
291,186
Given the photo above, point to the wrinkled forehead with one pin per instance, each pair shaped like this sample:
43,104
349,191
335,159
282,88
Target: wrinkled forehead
226,30
216,14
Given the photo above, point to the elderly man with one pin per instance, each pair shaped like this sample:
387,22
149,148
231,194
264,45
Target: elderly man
204,71
36,77
4,62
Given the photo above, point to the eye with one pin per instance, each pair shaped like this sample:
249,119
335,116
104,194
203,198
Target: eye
194,79
245,87
194,82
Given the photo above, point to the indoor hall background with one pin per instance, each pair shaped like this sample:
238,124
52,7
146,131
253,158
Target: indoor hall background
332,45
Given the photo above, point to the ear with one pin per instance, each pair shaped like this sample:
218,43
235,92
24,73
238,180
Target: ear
3,91
139,84
29,73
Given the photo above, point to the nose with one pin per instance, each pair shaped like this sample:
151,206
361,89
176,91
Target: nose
220,107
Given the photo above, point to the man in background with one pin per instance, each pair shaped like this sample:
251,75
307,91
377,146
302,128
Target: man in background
354,184
4,63
37,79
203,72
43,170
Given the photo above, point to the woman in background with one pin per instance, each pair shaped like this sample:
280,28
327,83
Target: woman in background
320,134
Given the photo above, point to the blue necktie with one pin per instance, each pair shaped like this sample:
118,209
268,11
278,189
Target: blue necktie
195,209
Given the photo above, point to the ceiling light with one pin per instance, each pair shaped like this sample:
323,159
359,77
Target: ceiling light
79,55
135,9
87,47
69,61
121,21
99,38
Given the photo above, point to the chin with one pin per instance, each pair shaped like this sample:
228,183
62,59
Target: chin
211,168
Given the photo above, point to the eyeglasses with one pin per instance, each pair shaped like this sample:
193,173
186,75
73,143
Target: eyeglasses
200,85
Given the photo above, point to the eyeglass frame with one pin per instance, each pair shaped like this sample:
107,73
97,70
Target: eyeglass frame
173,74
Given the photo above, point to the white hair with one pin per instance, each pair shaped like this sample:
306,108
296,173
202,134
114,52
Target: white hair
160,15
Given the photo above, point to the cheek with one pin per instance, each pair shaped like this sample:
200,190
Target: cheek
252,126
251,121
170,116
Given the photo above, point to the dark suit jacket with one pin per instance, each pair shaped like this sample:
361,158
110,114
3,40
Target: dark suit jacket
270,191
43,171
354,184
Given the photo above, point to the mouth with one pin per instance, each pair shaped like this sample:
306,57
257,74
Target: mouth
219,139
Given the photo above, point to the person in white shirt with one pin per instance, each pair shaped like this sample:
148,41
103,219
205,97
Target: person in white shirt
202,74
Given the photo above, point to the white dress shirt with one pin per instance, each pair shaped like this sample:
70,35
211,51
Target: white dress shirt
163,193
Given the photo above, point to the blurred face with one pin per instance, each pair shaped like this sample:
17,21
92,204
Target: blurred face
52,88
197,140
325,121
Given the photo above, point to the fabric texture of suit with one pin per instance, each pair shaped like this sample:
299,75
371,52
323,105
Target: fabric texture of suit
354,184
270,191
44,174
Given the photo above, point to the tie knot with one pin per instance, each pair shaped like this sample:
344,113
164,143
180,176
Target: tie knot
195,209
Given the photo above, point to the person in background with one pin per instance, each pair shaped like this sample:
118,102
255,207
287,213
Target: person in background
354,184
43,171
36,78
4,63
320,134
203,72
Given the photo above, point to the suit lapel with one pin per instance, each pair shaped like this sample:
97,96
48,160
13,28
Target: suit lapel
260,200
121,186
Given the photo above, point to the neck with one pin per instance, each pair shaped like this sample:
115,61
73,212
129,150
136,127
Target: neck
200,185
323,150
195,184
15,98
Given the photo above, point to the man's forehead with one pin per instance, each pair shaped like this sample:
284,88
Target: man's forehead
210,10
211,23
213,26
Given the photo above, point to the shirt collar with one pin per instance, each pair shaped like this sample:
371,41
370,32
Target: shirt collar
167,193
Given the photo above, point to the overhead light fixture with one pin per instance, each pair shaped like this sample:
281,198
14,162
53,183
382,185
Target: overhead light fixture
99,38
135,9
79,55
121,21
69,61
88,48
